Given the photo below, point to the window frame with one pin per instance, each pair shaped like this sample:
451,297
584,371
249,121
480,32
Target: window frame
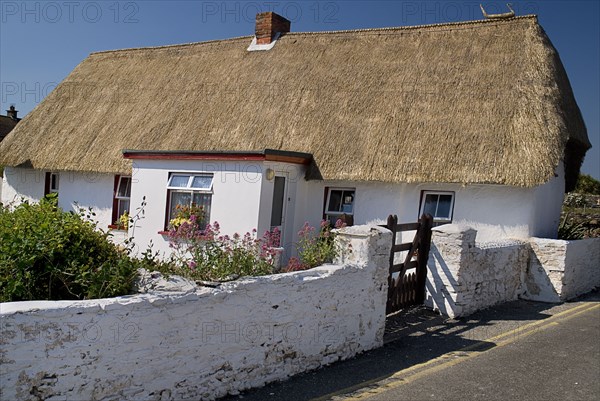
187,189
117,200
333,216
48,188
444,220
118,190
54,179
120,198
336,213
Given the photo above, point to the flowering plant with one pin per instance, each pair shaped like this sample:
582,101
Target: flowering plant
315,250
207,255
124,221
188,214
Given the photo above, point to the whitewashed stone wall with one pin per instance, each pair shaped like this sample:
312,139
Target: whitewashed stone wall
199,344
562,270
464,276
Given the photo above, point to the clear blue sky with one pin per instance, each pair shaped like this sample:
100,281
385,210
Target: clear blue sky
42,41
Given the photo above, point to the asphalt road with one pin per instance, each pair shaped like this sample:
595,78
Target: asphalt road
556,360
517,351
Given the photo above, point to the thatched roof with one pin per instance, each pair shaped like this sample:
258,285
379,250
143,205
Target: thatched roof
473,102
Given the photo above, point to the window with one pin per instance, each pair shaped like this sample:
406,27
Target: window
438,204
122,195
340,204
54,183
189,190
51,184
121,201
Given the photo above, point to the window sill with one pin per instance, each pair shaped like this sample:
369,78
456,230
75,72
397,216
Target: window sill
115,227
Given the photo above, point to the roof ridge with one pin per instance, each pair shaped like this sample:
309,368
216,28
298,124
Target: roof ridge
423,26
207,42
382,29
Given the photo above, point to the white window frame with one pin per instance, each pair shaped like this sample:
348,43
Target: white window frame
338,213
438,219
54,179
120,198
188,189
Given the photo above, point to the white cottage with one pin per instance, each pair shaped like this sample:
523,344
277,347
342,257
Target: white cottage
474,122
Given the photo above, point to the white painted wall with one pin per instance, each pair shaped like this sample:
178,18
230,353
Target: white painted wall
242,200
24,183
235,201
495,211
201,344
547,203
87,190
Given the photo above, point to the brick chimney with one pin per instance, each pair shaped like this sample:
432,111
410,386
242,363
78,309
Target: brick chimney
12,112
267,25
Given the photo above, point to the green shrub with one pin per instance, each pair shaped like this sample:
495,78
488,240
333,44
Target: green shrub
586,184
46,253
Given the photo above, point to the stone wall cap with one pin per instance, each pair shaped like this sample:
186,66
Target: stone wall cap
361,230
453,228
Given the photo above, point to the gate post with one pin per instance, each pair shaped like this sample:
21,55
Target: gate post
423,254
392,222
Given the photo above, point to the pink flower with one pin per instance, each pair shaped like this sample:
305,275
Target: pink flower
295,265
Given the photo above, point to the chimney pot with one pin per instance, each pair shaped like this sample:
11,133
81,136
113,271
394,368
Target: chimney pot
12,112
267,25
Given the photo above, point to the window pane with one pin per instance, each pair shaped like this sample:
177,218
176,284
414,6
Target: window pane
278,199
203,201
179,181
124,190
54,182
202,182
348,202
181,199
123,207
431,201
335,201
443,209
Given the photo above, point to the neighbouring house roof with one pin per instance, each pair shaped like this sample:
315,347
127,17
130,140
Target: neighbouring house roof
471,102
6,125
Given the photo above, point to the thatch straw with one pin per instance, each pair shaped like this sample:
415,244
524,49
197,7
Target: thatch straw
476,102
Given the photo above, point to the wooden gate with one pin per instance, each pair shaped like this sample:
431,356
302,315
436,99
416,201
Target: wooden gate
406,280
